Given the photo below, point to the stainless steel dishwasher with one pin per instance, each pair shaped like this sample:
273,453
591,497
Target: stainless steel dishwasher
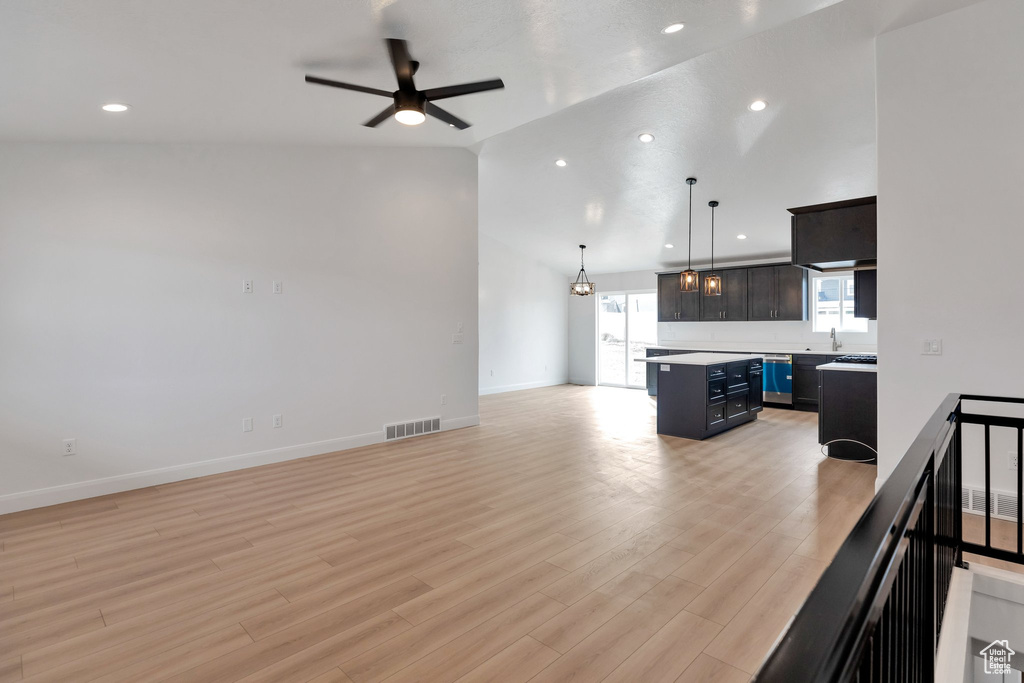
778,378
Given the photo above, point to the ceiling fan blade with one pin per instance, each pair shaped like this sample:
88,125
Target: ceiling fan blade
439,113
402,62
347,86
464,89
381,117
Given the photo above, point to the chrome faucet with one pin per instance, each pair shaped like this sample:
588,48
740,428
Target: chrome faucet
836,344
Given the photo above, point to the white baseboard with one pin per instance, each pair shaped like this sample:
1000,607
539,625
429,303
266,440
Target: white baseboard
27,500
519,387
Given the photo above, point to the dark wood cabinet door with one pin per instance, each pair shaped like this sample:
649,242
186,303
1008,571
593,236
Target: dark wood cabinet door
865,292
734,291
712,307
689,307
791,290
761,296
668,297
731,304
805,381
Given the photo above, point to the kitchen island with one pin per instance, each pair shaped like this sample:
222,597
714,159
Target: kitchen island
703,394
848,415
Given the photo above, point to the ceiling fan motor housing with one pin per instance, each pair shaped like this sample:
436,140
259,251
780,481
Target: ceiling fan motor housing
413,100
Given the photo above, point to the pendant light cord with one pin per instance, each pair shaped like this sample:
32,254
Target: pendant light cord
689,234
713,239
583,270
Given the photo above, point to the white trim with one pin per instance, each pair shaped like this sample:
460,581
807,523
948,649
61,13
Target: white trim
486,391
951,653
54,495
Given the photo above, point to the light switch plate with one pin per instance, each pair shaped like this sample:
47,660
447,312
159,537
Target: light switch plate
246,424
931,347
457,338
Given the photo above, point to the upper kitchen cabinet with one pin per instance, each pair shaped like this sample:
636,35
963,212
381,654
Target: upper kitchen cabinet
674,305
776,293
865,294
837,235
731,304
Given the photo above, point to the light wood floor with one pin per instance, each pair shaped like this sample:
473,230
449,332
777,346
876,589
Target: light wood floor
560,540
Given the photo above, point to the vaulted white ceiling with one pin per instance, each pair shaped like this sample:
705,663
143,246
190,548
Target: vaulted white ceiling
222,70
625,199
583,79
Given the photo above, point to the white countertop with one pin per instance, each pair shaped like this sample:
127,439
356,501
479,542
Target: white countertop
726,347
698,358
849,367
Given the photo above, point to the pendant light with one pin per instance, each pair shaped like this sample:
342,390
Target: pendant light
688,279
583,286
712,282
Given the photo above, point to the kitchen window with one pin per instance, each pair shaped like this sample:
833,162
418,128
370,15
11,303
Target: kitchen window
832,299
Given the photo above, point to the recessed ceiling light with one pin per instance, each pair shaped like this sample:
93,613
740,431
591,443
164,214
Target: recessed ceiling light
646,137
669,246
673,28
560,162
741,237
757,105
114,107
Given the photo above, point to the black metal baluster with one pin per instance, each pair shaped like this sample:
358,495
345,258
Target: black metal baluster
988,489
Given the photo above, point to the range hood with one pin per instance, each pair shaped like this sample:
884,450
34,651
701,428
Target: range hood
836,236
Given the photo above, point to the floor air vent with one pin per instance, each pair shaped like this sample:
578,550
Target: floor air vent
403,430
1003,505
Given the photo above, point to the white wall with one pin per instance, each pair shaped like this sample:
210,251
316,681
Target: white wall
524,321
123,323
950,166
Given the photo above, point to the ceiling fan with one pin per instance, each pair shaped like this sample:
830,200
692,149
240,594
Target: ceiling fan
411,106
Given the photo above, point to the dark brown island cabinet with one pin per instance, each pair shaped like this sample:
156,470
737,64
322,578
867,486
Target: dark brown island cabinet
848,414
703,394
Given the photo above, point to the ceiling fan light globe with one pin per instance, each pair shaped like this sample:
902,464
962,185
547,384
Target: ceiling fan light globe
410,117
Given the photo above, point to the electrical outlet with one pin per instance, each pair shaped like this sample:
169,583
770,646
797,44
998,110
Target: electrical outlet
492,373
276,286
457,338
246,286
444,399
70,447
246,424
1011,462
277,422
459,328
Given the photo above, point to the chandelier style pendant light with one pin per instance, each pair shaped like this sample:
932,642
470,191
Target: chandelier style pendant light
712,283
583,286
688,278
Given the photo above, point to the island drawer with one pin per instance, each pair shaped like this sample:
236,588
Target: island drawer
716,391
716,415
756,365
716,372
737,374
736,407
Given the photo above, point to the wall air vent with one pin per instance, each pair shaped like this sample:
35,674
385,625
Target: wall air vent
1003,505
403,430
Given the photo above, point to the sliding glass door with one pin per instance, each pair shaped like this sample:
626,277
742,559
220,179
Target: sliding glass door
627,323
